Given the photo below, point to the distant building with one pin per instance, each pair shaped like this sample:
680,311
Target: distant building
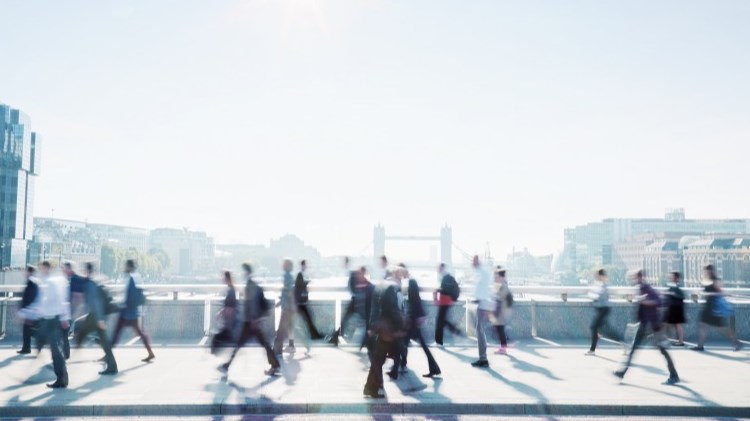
122,237
730,255
190,252
523,264
20,156
61,239
594,243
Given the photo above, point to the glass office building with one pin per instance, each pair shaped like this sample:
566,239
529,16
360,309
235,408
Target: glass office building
19,165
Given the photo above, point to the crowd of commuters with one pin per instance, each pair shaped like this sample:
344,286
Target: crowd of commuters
388,305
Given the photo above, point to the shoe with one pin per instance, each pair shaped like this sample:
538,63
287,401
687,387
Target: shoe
403,370
108,372
738,347
431,375
378,394
334,340
480,364
501,351
620,374
672,380
23,351
149,358
273,371
698,348
57,385
224,368
679,344
590,353
393,374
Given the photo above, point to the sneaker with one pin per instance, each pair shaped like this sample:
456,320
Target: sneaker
672,380
273,371
149,358
590,353
23,351
223,369
620,374
431,375
501,351
480,364
698,348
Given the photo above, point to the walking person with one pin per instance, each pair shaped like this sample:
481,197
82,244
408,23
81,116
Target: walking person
302,298
97,303
130,315
30,294
385,330
360,305
351,307
444,298
52,310
717,311
416,317
503,309
227,316
77,285
484,298
256,308
648,317
600,297
675,315
400,344
288,307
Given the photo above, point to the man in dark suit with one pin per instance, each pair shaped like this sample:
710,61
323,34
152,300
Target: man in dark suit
96,321
416,315
301,296
361,292
256,307
443,298
29,296
77,301
387,332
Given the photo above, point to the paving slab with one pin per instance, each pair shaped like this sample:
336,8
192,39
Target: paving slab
535,379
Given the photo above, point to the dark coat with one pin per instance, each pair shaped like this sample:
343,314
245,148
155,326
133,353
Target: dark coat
29,293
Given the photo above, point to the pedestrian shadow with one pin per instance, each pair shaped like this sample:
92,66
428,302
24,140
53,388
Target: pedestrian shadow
6,362
459,355
248,392
524,388
291,368
528,367
694,397
651,369
43,375
532,350
739,358
408,383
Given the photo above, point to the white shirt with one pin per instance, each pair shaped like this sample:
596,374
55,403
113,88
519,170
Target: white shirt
51,301
483,293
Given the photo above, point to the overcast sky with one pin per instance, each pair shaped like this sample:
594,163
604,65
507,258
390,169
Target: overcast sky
507,120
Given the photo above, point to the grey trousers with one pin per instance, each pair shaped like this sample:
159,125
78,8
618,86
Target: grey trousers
483,320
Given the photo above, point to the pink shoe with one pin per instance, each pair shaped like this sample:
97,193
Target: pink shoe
501,351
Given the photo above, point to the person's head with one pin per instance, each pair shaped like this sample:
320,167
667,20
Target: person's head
247,269
674,278
500,275
287,265
45,267
303,265
404,270
709,273
383,262
361,274
89,268
601,275
30,270
346,262
638,276
475,262
130,266
441,268
68,268
227,277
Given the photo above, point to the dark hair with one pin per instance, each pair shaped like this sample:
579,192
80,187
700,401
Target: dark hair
89,266
442,266
383,258
30,269
711,272
601,272
130,264
227,275
363,269
402,265
247,268
677,275
45,264
639,274
68,265
302,262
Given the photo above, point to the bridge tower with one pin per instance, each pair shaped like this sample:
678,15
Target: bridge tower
378,241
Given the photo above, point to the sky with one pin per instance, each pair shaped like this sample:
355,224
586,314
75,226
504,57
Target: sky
507,120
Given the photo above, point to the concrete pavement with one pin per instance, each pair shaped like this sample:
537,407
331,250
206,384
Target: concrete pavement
537,378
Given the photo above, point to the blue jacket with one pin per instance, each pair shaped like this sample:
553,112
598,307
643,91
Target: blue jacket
131,310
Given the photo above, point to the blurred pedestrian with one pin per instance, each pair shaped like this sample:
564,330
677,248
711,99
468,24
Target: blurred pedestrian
445,297
648,317
717,312
77,285
302,299
130,315
675,315
485,300
600,297
30,294
288,307
97,303
256,307
227,316
503,309
416,319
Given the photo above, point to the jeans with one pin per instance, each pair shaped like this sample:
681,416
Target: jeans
416,333
639,336
483,320
600,323
443,322
52,332
90,325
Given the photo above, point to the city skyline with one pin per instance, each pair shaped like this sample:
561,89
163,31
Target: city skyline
251,119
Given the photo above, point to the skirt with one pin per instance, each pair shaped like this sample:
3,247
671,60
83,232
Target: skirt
675,315
708,317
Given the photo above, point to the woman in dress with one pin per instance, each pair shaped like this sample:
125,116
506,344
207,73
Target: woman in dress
715,311
675,315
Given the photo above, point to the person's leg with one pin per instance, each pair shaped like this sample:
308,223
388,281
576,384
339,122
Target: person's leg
26,345
440,324
670,364
85,328
109,356
270,355
282,331
502,336
244,336
118,330
350,310
482,317
375,375
701,334
639,335
57,348
595,325
137,325
65,340
431,363
304,311
680,333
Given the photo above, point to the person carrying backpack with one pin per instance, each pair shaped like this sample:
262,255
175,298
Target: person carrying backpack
444,298
716,312
98,302
256,308
130,315
503,309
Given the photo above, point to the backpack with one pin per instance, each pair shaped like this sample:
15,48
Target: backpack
509,300
451,288
722,307
300,292
107,301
